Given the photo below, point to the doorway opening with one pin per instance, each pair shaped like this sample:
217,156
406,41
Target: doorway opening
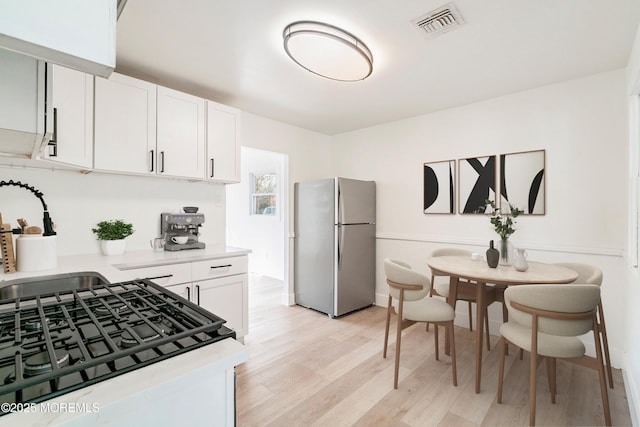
257,215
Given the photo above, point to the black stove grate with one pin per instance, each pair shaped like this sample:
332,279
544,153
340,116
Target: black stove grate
56,343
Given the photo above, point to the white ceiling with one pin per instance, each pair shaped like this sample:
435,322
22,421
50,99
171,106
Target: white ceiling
231,51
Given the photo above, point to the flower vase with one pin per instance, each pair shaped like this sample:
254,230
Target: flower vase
506,252
493,255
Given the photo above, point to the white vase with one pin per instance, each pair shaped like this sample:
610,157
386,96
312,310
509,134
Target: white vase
112,247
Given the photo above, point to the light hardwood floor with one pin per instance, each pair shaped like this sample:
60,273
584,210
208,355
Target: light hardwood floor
306,369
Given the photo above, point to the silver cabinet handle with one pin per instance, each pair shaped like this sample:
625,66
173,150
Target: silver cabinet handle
152,159
213,165
221,266
198,294
162,162
188,294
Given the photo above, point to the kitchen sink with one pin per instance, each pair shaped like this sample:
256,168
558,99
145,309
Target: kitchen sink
40,285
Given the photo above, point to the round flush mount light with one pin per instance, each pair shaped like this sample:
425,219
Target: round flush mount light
327,51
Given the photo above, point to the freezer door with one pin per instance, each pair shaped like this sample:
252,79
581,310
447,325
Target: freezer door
314,249
355,273
356,201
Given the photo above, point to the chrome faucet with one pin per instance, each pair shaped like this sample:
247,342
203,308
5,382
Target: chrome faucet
47,222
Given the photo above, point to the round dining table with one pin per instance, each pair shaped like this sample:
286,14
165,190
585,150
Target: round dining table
477,274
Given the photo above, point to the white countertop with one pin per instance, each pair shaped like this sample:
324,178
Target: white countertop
171,392
113,267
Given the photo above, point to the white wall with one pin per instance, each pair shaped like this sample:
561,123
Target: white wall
78,202
582,126
264,234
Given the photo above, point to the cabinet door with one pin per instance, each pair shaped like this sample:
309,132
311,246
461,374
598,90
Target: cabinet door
183,290
227,298
125,125
223,143
180,134
73,116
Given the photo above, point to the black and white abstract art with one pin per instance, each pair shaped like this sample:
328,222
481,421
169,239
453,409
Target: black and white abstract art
477,183
439,187
522,182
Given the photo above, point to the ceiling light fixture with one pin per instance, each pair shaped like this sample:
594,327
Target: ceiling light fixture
327,51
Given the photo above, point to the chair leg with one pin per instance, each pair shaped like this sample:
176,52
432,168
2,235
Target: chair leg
505,319
503,347
605,344
470,319
435,334
551,376
386,330
454,370
430,296
533,368
601,374
398,338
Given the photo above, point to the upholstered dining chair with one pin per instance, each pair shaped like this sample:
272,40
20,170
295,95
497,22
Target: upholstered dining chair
547,321
593,276
410,289
441,288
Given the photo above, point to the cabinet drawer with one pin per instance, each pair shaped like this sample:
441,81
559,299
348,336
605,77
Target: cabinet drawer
163,275
202,270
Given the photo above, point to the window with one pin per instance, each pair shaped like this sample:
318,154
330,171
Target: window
263,194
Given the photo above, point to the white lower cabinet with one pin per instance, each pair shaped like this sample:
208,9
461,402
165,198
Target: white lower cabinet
219,285
223,297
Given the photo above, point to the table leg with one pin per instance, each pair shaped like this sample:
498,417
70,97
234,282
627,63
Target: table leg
453,295
481,304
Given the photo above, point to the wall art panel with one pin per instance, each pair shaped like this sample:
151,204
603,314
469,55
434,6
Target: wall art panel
439,187
522,182
477,183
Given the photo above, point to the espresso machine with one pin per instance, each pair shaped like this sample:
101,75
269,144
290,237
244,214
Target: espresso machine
176,225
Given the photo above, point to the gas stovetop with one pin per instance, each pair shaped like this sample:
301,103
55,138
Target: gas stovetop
59,342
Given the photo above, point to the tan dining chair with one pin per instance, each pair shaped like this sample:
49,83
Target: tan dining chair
547,321
441,288
410,289
593,275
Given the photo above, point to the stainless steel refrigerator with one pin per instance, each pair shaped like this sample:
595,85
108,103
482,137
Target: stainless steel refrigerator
335,246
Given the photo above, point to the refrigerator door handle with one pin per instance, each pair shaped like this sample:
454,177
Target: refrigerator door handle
340,245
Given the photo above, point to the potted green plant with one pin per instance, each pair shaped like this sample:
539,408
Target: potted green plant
504,226
112,234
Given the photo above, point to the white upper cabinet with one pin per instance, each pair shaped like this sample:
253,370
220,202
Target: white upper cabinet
223,143
76,34
180,138
73,117
125,125
25,125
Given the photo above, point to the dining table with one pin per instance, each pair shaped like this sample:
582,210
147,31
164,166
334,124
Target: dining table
470,274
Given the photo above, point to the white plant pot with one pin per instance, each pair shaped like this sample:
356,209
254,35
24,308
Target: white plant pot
112,247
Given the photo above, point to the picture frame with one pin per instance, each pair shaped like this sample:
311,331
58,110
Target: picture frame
523,182
439,187
476,183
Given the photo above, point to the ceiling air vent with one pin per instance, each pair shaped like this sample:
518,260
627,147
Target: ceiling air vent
439,21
